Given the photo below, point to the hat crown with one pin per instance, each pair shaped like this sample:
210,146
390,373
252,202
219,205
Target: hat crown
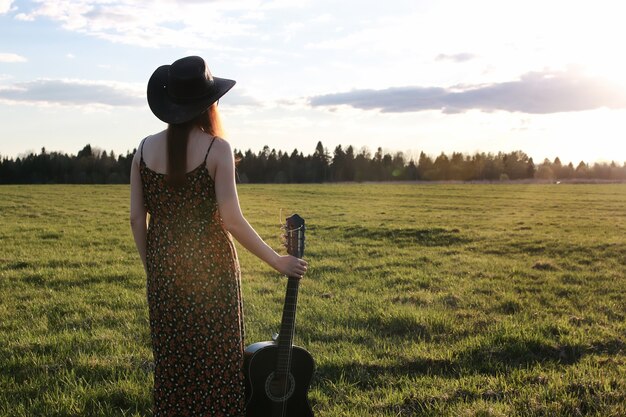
189,78
181,91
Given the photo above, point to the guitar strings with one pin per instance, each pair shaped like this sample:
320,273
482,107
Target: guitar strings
284,405
291,335
299,246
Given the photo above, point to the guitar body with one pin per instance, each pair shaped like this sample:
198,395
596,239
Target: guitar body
290,401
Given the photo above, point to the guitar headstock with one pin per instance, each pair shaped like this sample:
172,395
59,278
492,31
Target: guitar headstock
294,236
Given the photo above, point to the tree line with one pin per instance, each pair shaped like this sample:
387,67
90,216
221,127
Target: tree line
95,166
89,166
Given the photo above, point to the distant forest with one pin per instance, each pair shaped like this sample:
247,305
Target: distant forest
94,166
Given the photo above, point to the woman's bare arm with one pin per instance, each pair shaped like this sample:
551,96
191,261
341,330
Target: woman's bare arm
235,222
138,211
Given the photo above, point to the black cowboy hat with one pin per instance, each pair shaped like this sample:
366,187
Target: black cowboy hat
179,92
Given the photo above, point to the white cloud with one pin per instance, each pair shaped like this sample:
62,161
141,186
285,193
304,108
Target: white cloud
283,4
323,18
11,58
24,17
217,25
460,57
5,6
150,23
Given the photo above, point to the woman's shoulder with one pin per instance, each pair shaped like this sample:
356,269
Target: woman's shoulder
155,137
151,140
146,143
221,146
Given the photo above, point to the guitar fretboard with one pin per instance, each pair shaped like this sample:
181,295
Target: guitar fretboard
287,328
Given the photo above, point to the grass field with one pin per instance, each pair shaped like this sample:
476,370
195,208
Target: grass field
434,300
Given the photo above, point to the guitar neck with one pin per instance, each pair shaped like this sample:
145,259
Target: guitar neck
295,247
287,327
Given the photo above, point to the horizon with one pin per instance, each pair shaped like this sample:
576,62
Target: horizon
407,155
434,76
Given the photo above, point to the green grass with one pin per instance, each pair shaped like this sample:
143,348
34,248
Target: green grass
434,300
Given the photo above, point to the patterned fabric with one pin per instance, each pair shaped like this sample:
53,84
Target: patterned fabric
194,299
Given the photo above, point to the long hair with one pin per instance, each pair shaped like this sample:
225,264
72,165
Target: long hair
177,138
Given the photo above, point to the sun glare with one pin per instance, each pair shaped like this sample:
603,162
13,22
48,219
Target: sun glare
601,40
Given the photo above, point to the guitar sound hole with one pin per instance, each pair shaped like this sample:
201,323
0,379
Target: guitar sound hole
279,389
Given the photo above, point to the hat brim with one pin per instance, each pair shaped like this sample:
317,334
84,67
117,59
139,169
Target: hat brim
171,112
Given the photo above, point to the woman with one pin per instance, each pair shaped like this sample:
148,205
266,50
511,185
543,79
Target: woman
184,178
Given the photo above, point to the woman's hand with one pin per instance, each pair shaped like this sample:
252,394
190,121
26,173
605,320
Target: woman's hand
291,266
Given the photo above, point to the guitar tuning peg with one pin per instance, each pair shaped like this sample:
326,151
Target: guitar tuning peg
283,240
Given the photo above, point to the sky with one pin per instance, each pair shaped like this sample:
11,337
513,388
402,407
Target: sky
544,77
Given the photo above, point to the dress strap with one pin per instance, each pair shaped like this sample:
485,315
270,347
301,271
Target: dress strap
208,150
141,148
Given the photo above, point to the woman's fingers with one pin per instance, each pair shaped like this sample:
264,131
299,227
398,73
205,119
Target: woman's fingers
299,267
292,266
303,266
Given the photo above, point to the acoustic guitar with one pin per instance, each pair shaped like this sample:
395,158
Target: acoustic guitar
278,374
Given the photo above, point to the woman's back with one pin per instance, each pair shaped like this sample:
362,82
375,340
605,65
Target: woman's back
155,151
195,199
